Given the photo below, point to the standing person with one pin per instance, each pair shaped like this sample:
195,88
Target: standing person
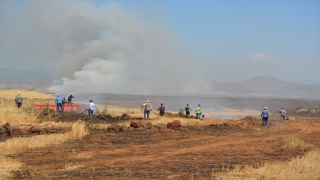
15,98
283,114
198,112
58,101
161,109
188,110
64,101
70,98
147,108
19,100
91,109
265,116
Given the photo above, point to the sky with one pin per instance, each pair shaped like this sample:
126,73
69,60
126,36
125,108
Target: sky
142,46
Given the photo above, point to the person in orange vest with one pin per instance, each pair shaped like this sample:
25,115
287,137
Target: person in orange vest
147,108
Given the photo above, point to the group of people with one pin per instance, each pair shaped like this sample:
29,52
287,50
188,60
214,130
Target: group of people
61,101
265,115
148,108
197,110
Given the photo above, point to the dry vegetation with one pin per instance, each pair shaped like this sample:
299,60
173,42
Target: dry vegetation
26,114
303,167
19,144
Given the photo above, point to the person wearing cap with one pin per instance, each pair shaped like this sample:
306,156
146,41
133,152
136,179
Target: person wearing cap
91,109
283,115
147,108
265,116
58,101
161,109
70,98
19,100
188,110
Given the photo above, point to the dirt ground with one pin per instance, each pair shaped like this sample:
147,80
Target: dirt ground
199,153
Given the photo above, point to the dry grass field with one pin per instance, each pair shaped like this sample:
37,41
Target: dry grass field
207,149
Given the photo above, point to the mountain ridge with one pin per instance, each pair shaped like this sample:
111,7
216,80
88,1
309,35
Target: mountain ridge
259,86
267,86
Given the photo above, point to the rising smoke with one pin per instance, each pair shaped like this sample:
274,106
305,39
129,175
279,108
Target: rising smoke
102,49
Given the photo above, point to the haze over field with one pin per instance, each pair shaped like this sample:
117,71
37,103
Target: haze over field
165,47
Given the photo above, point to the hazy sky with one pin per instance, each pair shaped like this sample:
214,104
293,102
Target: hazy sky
143,46
237,40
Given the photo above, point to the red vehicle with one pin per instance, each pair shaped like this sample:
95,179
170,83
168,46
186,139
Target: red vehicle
72,107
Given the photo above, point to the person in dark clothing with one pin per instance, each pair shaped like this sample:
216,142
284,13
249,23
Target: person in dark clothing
161,109
188,110
70,98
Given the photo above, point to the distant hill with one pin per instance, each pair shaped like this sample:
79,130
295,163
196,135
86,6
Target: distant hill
268,87
9,75
254,87
31,78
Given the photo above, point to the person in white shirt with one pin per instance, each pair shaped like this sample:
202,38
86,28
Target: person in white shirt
283,114
90,109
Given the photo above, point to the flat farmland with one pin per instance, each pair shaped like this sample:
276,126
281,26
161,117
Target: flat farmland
195,152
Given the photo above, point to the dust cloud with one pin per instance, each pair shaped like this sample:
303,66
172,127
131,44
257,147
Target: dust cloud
104,49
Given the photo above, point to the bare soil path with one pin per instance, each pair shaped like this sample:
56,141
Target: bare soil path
165,154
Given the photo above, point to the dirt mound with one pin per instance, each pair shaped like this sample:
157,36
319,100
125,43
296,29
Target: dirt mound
176,124
8,131
138,125
251,121
114,127
125,116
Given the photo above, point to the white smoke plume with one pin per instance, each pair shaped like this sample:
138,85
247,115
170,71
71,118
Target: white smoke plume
104,49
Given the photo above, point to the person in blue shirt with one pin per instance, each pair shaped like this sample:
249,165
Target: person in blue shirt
90,109
58,101
265,116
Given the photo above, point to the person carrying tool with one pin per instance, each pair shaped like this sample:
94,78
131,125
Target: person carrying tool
283,115
161,109
188,110
58,101
265,116
19,100
198,112
91,109
70,99
147,108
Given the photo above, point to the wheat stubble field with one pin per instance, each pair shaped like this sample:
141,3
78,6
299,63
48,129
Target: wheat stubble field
71,147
